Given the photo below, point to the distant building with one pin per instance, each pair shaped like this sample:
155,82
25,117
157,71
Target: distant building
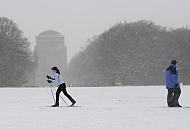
50,51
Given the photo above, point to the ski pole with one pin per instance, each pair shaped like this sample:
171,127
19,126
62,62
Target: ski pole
52,94
60,96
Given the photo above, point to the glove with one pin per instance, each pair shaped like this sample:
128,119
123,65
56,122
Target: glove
48,77
177,86
49,81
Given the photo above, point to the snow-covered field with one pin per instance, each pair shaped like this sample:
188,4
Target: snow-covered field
119,108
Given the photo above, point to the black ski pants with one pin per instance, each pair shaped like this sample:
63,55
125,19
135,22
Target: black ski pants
62,88
173,97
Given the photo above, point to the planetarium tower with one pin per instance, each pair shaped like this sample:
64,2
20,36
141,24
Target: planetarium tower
50,51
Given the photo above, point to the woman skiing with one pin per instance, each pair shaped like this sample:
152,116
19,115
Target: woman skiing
58,81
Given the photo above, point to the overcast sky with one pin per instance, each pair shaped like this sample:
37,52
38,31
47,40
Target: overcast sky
79,20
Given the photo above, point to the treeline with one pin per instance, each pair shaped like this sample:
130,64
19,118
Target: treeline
134,53
16,61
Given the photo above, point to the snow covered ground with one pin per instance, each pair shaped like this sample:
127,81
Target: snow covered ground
119,108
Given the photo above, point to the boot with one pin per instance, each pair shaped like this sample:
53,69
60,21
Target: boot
56,105
73,103
178,105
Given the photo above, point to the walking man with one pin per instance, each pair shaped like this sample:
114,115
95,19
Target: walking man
172,85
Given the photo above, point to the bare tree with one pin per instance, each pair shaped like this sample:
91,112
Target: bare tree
14,54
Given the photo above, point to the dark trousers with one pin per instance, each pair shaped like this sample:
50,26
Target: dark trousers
173,97
62,88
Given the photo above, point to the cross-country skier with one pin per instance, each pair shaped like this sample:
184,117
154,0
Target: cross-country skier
172,85
58,81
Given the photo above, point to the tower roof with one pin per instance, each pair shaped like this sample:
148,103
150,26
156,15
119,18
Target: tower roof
50,33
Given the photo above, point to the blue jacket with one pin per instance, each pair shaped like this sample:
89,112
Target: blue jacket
57,79
172,77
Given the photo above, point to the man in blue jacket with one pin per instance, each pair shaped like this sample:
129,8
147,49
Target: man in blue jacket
172,85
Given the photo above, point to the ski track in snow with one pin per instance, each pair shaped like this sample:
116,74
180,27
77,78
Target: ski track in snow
109,108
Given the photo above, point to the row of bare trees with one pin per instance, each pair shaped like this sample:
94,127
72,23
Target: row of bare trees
132,54
16,61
